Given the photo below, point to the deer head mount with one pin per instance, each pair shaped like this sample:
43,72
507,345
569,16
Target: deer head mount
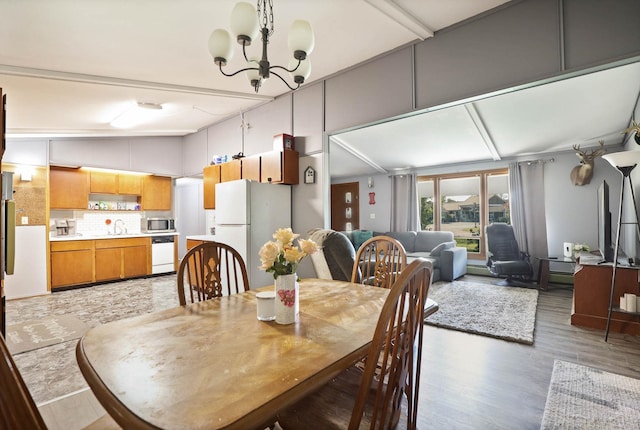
635,131
581,175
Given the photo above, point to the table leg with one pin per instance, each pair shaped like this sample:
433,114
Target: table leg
543,274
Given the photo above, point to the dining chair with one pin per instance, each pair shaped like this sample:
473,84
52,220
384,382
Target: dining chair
18,410
379,262
360,400
211,269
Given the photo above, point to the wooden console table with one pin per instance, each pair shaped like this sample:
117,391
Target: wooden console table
591,290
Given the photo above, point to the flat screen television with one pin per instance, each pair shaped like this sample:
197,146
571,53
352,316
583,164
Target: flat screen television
604,223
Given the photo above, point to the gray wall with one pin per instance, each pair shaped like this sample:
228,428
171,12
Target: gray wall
525,41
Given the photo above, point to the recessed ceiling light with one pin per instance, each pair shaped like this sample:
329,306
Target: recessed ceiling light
136,114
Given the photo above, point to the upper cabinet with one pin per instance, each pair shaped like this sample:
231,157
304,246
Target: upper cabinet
68,188
129,184
113,183
231,171
276,167
156,193
280,167
211,177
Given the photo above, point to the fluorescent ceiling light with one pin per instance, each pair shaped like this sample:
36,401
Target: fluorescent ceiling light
137,114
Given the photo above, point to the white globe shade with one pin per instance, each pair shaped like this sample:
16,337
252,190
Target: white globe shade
301,36
303,70
244,21
253,75
220,45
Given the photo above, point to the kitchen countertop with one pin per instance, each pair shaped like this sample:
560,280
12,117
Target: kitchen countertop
108,236
205,237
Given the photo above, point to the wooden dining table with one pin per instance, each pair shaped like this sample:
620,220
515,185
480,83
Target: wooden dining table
214,365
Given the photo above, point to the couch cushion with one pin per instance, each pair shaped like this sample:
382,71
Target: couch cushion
358,237
435,252
336,256
427,240
406,238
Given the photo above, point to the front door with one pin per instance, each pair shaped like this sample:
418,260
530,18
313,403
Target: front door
345,206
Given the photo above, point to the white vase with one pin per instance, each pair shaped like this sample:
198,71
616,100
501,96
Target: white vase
287,305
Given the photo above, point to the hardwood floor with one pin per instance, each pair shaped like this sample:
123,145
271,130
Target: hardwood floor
470,381
476,382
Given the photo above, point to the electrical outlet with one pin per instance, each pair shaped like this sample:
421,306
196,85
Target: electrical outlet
25,220
372,216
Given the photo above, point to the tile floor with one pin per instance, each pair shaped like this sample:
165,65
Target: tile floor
52,373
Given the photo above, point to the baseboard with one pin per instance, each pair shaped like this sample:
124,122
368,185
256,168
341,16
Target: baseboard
554,277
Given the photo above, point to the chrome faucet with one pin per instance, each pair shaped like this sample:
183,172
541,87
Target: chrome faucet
121,230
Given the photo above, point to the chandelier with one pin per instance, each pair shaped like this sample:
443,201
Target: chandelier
246,28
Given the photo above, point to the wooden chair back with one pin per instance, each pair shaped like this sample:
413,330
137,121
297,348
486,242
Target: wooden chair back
379,262
211,269
17,409
398,344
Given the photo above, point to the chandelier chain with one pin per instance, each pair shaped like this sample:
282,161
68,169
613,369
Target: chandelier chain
267,16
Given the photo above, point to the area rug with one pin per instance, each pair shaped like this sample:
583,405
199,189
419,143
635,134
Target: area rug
35,334
507,313
586,398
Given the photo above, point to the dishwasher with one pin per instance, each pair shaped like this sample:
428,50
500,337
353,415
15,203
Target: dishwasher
162,254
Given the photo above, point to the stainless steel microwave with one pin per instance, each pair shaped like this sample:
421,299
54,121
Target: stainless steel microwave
158,225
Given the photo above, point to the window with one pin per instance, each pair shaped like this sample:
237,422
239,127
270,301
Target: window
464,204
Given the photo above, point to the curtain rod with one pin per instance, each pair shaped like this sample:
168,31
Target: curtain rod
540,161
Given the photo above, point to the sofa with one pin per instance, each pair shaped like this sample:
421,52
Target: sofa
337,255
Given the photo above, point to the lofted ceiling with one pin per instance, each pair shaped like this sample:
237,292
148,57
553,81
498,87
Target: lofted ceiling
70,67
545,118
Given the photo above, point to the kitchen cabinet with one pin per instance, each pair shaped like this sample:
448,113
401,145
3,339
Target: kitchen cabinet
68,188
129,184
103,183
108,264
231,171
122,258
280,167
193,242
251,168
156,193
72,262
211,177
115,183
77,262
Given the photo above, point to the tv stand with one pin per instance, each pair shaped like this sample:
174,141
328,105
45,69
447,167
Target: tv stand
591,292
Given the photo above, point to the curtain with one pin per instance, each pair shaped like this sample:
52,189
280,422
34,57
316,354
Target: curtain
405,213
526,184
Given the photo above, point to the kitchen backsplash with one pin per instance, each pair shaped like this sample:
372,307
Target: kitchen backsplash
96,223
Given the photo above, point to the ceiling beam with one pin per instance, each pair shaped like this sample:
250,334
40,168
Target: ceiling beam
106,80
402,17
482,129
342,144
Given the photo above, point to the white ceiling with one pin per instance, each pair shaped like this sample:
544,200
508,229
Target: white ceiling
530,122
69,67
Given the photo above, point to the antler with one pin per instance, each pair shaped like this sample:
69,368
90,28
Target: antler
635,127
590,155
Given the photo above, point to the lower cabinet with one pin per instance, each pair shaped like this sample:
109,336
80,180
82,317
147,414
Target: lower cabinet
72,262
87,261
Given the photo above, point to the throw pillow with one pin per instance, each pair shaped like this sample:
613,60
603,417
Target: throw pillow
360,237
435,252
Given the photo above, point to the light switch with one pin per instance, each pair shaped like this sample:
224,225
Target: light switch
25,220
372,216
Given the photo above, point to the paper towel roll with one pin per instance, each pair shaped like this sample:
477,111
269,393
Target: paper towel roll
568,249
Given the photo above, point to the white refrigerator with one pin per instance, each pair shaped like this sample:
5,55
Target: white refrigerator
246,216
